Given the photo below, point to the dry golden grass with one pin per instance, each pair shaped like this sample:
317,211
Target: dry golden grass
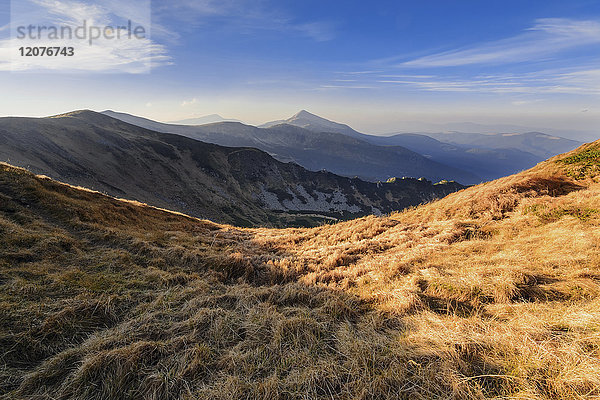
491,292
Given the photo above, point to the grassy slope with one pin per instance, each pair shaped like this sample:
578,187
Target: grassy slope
490,292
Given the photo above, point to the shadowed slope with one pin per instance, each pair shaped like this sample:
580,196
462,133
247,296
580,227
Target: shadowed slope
241,186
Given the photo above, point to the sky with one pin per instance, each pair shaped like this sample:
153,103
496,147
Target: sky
380,66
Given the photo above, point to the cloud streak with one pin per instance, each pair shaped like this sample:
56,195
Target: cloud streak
582,81
187,103
546,38
536,61
246,16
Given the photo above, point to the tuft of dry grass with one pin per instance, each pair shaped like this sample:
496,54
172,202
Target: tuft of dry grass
491,292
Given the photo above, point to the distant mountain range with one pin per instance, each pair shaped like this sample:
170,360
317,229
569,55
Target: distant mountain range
487,156
318,143
243,186
539,144
316,150
488,163
207,119
427,128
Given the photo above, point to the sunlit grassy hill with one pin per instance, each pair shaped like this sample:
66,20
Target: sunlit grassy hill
490,292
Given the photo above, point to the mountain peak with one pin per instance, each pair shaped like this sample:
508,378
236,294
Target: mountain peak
308,117
315,123
304,114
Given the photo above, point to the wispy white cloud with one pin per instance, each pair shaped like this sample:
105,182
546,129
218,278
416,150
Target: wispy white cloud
246,16
323,87
366,72
71,11
407,76
584,80
191,9
319,31
523,102
547,37
187,103
539,54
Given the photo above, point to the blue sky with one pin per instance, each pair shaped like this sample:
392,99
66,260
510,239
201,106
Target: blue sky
381,66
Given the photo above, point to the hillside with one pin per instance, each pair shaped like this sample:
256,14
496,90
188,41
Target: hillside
491,292
316,150
241,186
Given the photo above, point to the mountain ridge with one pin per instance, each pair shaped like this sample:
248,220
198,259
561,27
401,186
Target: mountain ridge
203,120
471,160
242,186
489,155
336,152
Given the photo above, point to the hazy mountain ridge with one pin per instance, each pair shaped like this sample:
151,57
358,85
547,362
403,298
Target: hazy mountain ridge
426,128
539,144
488,156
243,186
466,157
316,150
207,119
489,163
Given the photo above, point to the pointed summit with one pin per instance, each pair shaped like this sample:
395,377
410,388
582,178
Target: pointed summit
306,118
315,123
305,114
